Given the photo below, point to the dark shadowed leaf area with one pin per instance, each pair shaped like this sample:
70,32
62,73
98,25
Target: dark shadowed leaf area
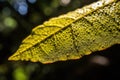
19,17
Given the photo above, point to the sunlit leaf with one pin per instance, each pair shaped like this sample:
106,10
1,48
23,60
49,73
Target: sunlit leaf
83,31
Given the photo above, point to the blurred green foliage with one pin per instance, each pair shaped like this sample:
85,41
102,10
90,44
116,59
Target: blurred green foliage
19,17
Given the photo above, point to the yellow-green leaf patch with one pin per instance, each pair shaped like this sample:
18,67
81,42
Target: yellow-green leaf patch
70,36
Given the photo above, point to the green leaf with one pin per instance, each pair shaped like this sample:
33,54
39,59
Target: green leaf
70,36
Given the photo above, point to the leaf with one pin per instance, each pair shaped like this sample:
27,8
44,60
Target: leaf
70,36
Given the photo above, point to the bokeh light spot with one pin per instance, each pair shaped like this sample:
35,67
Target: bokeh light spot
23,9
19,74
48,11
101,60
10,22
65,2
21,6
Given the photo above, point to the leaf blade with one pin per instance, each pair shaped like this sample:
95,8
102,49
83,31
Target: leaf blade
56,39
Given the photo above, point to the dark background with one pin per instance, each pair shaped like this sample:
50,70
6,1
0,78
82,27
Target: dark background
19,17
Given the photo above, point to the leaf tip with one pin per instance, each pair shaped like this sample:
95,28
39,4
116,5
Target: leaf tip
11,58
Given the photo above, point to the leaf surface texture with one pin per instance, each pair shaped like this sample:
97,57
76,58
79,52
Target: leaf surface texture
70,36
